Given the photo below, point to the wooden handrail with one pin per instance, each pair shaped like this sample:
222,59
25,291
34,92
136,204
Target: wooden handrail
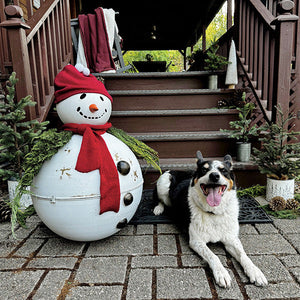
266,15
39,18
267,47
39,51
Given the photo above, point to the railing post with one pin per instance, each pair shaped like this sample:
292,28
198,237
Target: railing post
19,52
229,14
285,29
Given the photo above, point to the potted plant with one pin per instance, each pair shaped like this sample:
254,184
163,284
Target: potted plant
150,65
17,136
214,62
242,130
278,157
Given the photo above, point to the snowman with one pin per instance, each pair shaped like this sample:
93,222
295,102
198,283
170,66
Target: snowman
92,186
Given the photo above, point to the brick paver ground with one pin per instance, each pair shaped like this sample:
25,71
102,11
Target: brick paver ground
143,262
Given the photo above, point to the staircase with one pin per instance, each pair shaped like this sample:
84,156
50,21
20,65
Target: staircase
176,115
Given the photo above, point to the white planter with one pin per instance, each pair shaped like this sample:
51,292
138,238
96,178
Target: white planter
282,188
213,82
243,151
25,199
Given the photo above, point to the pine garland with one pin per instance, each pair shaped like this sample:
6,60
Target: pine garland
253,191
282,214
140,149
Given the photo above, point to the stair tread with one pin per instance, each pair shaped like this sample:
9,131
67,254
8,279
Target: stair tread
172,112
171,136
180,91
190,164
157,74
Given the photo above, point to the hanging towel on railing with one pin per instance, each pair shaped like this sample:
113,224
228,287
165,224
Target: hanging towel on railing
95,42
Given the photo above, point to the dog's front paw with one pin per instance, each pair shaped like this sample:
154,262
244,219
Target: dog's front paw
222,277
159,209
256,276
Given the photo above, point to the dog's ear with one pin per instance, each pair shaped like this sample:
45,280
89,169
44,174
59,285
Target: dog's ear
200,157
228,161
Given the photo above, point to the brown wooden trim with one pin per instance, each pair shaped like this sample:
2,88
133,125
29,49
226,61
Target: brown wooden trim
58,39
53,38
49,45
40,67
36,95
45,56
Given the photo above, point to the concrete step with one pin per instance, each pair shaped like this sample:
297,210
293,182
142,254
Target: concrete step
246,173
186,144
168,99
173,120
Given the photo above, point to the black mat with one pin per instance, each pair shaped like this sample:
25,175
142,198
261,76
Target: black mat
250,212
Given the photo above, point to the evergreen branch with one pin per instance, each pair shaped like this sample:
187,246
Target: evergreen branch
140,149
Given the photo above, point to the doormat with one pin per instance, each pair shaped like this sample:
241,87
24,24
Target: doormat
250,212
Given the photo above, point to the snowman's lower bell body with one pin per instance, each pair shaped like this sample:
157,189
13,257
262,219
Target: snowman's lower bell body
68,201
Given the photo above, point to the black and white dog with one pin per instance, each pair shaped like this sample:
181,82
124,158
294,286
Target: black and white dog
208,203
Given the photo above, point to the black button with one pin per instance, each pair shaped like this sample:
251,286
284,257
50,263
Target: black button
122,223
123,167
128,198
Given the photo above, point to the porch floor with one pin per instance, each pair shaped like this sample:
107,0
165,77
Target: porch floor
144,262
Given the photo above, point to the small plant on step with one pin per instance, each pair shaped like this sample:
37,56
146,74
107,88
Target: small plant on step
214,61
279,156
242,129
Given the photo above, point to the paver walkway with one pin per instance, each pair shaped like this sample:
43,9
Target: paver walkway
143,262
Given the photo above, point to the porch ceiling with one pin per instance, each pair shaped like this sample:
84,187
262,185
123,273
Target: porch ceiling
178,25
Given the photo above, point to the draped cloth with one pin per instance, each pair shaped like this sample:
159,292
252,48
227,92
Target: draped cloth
94,155
95,42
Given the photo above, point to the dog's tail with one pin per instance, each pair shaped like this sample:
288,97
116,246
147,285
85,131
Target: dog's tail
161,193
165,187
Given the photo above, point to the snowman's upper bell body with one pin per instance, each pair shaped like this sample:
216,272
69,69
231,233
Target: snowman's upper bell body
67,200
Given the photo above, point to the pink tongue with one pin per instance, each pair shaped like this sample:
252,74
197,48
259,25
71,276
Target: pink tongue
213,198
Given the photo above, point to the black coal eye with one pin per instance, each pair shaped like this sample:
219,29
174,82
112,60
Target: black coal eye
82,96
101,98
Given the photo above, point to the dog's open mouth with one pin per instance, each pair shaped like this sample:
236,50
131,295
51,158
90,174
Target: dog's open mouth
213,193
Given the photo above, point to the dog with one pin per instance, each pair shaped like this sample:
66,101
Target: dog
206,202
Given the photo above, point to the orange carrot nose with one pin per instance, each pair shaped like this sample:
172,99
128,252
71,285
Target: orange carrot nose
93,108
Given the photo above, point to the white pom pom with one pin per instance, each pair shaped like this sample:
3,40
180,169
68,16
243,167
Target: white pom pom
86,71
79,67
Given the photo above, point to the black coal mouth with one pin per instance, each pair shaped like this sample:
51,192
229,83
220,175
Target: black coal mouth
219,188
89,117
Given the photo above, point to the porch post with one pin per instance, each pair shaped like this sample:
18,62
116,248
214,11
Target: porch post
229,14
19,52
285,29
204,38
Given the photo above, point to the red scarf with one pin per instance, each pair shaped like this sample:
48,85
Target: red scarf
94,155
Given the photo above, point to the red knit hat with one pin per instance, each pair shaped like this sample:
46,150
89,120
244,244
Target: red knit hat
70,82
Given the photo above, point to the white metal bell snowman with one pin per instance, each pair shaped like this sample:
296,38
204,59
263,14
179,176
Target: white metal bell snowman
93,185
